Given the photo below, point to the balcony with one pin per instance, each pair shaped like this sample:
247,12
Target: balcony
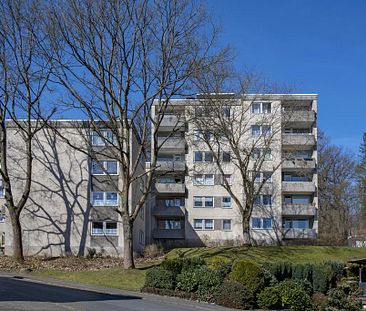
299,210
170,166
303,118
298,140
169,211
296,233
172,122
170,188
172,143
168,234
308,164
298,187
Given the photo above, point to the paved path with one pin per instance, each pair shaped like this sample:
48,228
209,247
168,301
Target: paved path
33,293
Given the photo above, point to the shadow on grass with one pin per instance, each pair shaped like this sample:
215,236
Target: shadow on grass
13,289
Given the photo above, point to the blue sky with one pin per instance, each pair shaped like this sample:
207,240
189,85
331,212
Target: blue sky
318,46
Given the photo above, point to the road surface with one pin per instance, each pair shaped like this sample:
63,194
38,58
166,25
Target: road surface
30,293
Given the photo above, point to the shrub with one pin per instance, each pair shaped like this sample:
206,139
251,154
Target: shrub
302,272
339,300
269,298
322,278
294,296
92,253
187,281
319,301
338,269
249,274
221,264
280,270
153,251
159,277
177,265
234,295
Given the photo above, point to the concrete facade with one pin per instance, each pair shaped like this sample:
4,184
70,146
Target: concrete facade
291,214
71,209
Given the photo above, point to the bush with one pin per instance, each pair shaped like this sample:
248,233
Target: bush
339,300
153,251
280,270
294,296
159,277
302,272
221,264
249,274
200,278
234,295
319,301
177,265
322,278
269,298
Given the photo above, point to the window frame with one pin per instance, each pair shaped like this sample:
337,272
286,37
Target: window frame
104,231
203,201
104,201
261,222
104,166
223,204
203,222
223,226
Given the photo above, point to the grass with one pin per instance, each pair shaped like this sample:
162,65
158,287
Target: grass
134,279
262,254
131,280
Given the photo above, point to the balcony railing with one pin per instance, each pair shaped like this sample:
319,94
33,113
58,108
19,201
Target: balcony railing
174,143
298,116
170,166
296,233
170,188
299,209
172,122
169,211
298,139
299,163
298,186
168,234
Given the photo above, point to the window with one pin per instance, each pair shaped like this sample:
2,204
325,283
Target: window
2,214
172,202
259,107
203,224
170,224
203,156
226,112
202,201
258,130
103,137
201,135
105,167
226,157
296,199
142,213
141,237
226,177
258,153
295,178
299,131
226,202
263,177
203,180
263,199
104,228
296,223
2,190
104,198
226,224
261,223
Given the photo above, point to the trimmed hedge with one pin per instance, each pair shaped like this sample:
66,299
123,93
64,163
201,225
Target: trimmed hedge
249,274
235,295
294,296
159,277
177,265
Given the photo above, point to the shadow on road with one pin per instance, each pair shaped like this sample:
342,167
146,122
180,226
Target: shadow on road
13,289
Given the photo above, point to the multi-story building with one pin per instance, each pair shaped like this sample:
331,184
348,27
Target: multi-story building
73,200
191,207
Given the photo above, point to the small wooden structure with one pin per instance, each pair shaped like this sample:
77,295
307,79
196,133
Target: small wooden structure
361,277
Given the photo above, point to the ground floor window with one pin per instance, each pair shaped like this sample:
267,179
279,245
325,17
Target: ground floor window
226,224
141,237
104,228
170,224
203,224
261,223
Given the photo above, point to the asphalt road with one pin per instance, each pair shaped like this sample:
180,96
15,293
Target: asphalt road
27,293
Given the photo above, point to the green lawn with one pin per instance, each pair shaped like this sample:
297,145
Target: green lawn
134,279
261,254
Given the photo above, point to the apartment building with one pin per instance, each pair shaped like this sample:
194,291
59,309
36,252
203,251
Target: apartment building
190,206
73,199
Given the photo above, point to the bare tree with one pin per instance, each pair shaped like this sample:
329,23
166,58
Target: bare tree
116,59
25,73
337,192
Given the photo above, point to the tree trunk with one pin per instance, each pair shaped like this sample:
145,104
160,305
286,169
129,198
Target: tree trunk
128,262
17,238
246,232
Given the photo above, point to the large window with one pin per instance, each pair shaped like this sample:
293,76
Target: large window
298,131
102,138
203,156
259,153
2,190
171,202
296,223
104,198
298,199
202,201
226,157
263,199
261,223
264,130
263,177
203,224
259,107
201,135
104,228
226,202
105,167
170,224
203,180
293,177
